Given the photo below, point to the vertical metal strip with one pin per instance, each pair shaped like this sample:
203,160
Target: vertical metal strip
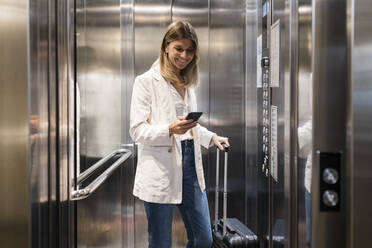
217,186
225,193
294,92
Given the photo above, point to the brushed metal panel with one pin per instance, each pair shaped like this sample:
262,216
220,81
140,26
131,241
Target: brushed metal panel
43,173
227,95
304,99
362,115
14,148
252,31
98,74
64,122
48,72
330,105
99,216
127,80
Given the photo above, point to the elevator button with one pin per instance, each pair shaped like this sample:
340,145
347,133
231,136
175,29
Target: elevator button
330,176
330,198
265,62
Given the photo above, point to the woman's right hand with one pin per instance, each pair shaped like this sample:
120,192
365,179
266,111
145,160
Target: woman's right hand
181,125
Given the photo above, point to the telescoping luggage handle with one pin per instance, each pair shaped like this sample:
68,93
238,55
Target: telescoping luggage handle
226,148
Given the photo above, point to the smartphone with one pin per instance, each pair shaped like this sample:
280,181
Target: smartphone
194,115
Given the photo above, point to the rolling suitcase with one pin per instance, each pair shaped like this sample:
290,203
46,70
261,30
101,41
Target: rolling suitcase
229,232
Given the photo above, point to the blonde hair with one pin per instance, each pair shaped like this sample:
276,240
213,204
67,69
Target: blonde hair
177,31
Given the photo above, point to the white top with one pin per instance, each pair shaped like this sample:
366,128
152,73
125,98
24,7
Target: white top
305,145
182,109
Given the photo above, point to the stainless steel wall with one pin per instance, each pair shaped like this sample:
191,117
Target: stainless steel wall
252,31
304,105
227,96
127,80
98,76
14,190
330,115
361,40
100,115
41,170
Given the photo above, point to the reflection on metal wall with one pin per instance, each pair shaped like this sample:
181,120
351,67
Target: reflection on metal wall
361,126
127,80
253,28
14,148
98,75
227,102
330,107
39,124
304,96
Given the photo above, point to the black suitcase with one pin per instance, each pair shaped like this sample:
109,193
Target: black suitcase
229,232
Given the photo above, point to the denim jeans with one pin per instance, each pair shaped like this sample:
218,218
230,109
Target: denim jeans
194,210
308,217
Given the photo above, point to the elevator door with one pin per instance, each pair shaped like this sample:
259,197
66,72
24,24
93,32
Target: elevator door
104,161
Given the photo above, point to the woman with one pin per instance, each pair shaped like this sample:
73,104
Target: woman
169,170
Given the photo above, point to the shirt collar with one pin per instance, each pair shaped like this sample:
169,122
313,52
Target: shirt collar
156,72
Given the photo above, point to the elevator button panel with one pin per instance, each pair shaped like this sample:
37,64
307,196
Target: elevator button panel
329,181
265,64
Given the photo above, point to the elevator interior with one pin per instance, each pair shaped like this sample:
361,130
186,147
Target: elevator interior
286,81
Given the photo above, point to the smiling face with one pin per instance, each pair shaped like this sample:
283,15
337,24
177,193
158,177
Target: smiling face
180,53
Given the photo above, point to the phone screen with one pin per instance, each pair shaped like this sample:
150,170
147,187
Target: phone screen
194,115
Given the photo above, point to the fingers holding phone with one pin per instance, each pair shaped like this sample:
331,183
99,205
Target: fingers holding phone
181,125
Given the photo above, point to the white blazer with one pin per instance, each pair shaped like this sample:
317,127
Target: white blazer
159,168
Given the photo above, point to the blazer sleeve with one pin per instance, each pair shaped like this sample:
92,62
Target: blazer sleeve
205,136
140,129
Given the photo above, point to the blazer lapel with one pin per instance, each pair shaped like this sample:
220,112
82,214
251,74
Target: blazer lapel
164,94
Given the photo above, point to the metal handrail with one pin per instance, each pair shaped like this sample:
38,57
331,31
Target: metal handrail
88,190
88,172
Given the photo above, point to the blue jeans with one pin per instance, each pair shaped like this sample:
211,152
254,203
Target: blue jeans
194,210
308,217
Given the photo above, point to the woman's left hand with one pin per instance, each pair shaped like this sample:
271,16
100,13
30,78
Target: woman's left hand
218,141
